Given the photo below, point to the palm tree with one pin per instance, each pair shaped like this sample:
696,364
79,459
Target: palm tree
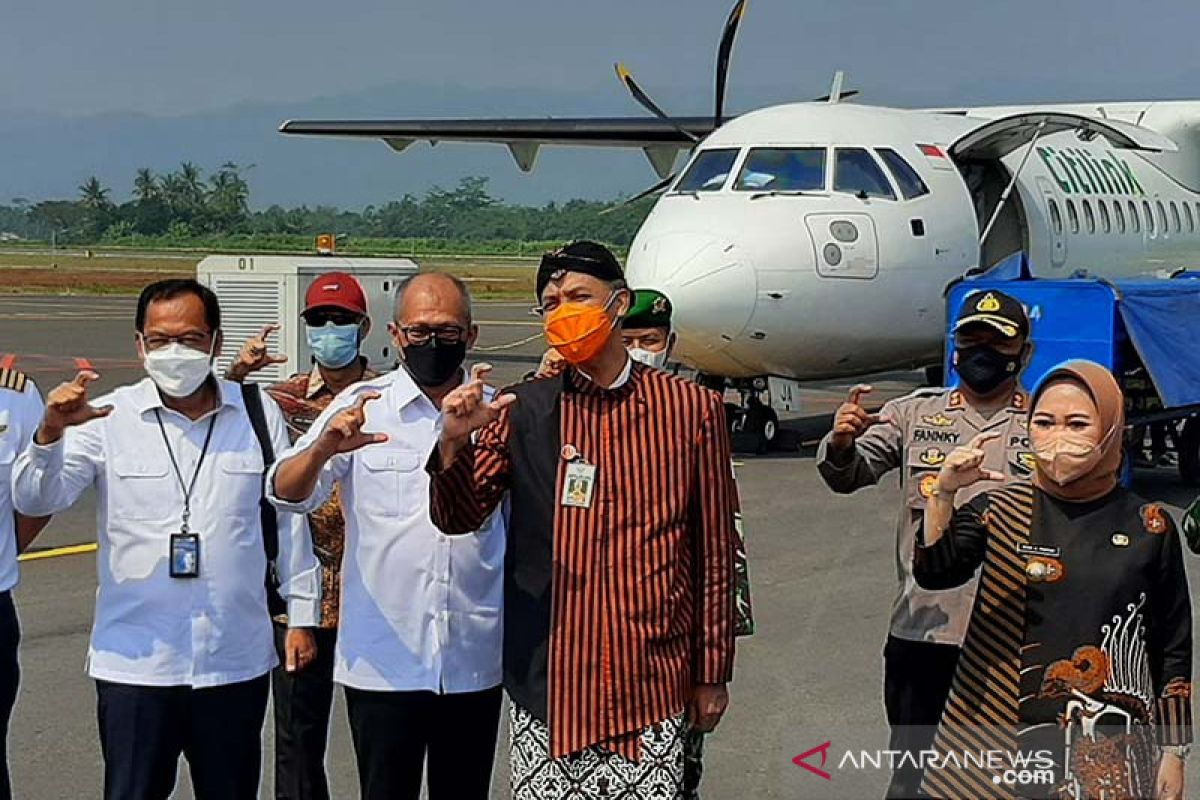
145,186
93,195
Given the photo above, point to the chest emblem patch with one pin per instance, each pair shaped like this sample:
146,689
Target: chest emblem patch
938,420
932,457
1041,569
1120,539
1154,518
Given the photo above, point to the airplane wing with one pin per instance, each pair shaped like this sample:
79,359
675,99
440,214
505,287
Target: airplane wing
660,139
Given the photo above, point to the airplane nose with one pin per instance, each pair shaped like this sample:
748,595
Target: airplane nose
711,283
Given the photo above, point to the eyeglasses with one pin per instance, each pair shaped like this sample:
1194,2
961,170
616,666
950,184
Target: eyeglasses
421,334
195,341
321,317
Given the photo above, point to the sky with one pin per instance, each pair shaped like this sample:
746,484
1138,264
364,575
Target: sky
102,88
175,56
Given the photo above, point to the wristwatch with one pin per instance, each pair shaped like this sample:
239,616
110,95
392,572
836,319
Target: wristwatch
1180,751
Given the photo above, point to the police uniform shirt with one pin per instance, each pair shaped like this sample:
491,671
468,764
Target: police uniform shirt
151,629
20,415
919,431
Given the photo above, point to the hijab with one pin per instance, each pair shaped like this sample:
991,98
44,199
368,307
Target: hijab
1109,400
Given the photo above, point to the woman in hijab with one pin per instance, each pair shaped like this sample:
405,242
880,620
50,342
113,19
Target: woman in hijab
1075,677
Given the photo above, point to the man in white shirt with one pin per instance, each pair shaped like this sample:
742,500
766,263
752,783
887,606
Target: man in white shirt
418,650
181,643
20,413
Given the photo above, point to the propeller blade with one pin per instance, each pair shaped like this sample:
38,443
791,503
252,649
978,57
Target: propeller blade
841,96
626,77
642,195
723,53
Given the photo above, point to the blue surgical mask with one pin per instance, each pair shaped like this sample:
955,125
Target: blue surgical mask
334,346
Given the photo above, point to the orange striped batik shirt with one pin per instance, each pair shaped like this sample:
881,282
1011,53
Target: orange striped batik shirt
642,580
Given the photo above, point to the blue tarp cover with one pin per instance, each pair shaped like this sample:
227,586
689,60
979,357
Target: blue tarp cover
1162,318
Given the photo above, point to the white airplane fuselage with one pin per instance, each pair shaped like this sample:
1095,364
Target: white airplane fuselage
775,283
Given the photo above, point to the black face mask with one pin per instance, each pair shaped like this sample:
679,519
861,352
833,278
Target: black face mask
432,364
984,368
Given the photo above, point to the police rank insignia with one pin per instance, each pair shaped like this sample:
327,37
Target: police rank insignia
938,420
927,486
932,456
1154,518
988,304
1024,463
1041,569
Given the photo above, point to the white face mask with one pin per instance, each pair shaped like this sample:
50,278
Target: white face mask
649,358
178,371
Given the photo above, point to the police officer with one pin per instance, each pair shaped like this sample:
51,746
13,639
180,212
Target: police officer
20,413
915,434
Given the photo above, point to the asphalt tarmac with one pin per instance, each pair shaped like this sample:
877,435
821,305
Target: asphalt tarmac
821,567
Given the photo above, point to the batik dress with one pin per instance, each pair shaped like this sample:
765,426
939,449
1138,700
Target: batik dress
1076,667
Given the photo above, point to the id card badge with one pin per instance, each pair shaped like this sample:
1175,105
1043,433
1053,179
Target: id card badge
579,485
185,555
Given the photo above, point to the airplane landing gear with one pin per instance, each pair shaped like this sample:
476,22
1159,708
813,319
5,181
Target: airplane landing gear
753,424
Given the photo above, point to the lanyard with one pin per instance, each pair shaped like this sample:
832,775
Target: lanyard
187,488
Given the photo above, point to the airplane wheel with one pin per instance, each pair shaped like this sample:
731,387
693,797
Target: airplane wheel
763,423
1189,452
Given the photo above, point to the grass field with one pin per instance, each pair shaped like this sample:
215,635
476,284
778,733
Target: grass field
124,272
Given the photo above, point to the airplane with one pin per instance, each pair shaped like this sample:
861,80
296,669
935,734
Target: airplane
814,240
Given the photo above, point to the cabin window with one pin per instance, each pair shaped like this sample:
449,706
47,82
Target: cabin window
1175,217
1055,217
1149,215
708,172
906,177
1188,218
1089,217
1162,218
856,172
1073,216
1119,213
777,169
1105,219
1135,221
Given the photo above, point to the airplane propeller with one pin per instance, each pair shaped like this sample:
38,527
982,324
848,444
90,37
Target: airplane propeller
642,195
644,99
724,51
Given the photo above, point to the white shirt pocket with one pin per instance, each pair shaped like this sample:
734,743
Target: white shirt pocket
382,486
241,482
144,489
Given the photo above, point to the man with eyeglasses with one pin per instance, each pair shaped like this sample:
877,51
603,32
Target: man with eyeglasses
418,650
335,323
181,645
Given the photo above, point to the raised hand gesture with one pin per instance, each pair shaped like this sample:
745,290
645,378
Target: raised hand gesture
344,434
964,466
852,420
254,356
68,405
465,410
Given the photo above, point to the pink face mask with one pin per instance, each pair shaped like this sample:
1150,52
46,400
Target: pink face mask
1065,456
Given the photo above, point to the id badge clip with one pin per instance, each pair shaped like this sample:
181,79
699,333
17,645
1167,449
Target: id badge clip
579,480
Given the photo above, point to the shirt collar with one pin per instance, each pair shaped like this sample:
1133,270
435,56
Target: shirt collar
625,382
405,390
316,381
147,398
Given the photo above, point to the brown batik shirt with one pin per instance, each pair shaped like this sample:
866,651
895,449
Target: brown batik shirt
302,398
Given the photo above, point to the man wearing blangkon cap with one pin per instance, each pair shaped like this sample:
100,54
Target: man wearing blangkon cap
915,434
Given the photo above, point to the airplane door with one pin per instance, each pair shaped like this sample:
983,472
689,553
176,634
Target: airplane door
1054,222
845,245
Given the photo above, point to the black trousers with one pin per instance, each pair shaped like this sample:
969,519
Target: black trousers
916,684
144,729
303,701
393,733
10,679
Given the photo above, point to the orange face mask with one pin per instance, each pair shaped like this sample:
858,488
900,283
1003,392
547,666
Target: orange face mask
578,331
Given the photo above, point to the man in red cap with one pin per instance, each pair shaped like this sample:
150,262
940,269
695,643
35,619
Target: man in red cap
336,323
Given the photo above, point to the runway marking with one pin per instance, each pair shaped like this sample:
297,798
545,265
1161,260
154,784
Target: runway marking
56,552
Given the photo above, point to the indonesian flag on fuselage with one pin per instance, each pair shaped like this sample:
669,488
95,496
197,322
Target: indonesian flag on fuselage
936,156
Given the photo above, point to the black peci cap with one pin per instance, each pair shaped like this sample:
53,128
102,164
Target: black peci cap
1002,312
587,257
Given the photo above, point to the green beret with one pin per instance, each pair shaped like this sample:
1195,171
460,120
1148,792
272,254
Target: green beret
650,309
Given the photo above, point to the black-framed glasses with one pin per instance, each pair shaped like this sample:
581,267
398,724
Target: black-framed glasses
320,317
194,340
445,334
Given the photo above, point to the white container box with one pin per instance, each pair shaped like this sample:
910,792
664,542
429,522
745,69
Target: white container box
262,290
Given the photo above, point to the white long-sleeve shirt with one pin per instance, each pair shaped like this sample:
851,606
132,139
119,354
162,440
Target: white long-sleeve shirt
151,629
20,415
420,610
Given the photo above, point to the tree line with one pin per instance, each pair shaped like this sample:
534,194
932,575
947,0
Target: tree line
184,207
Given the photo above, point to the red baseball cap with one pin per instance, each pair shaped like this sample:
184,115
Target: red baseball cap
336,290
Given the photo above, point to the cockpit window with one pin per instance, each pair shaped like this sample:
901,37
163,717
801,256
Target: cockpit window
777,169
907,179
857,173
709,171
